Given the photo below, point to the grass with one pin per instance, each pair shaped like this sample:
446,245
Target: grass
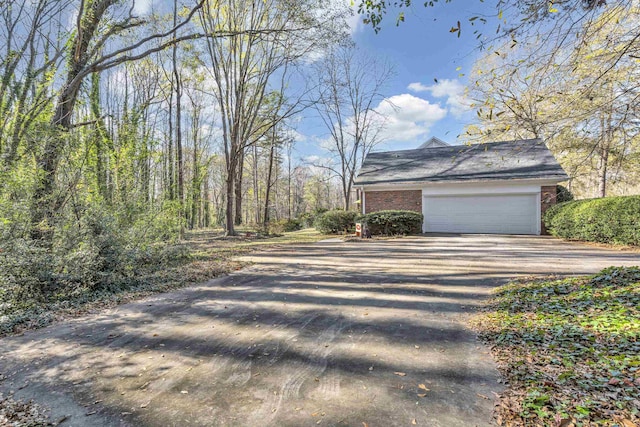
202,255
569,349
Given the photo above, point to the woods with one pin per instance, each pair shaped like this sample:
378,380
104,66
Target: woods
124,127
123,109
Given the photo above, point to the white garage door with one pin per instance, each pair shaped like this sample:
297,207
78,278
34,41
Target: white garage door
502,214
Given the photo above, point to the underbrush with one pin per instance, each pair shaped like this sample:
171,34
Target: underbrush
569,349
38,286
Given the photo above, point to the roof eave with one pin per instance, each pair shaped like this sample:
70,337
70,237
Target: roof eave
546,179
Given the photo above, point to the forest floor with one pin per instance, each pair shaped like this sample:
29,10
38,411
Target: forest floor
569,349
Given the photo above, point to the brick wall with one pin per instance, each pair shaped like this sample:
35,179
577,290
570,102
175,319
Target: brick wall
410,200
547,199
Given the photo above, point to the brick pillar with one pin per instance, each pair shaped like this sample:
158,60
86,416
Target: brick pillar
548,198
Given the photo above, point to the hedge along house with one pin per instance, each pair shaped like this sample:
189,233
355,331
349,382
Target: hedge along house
499,187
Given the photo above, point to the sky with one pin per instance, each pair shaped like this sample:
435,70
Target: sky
421,50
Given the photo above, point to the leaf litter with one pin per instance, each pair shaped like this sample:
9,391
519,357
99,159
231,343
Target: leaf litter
568,349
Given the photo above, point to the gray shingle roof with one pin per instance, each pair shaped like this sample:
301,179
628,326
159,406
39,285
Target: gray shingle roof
524,159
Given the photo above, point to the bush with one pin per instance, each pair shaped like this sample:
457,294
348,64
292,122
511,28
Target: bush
563,194
337,221
391,223
608,220
96,252
285,225
306,219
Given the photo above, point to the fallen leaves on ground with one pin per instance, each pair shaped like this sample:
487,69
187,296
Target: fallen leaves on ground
21,413
424,389
569,350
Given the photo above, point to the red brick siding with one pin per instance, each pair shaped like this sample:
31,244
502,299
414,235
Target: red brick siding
410,200
547,199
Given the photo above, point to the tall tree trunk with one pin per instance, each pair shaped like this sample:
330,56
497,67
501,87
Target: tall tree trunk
178,88
206,209
289,180
238,189
100,138
345,194
145,173
229,223
44,203
170,173
196,186
256,188
603,162
268,189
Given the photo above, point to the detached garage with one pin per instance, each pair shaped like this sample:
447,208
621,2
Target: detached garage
501,187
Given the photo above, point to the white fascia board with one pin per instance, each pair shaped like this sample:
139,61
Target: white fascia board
471,187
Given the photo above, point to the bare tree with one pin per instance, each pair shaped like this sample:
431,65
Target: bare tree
589,120
273,34
350,85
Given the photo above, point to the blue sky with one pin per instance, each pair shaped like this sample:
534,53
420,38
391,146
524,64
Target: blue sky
421,49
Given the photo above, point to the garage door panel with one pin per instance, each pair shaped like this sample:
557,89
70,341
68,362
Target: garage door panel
504,214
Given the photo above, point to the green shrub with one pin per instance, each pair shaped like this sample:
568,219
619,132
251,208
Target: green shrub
563,194
285,225
306,219
391,223
608,220
337,221
96,251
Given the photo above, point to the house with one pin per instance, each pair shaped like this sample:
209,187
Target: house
499,187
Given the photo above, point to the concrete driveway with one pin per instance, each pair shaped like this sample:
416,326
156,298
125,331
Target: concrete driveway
369,333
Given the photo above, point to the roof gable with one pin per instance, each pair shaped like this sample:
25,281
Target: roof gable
434,142
524,159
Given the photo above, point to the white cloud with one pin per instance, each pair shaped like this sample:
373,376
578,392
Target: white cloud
142,7
354,21
408,117
453,90
417,87
296,136
318,165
